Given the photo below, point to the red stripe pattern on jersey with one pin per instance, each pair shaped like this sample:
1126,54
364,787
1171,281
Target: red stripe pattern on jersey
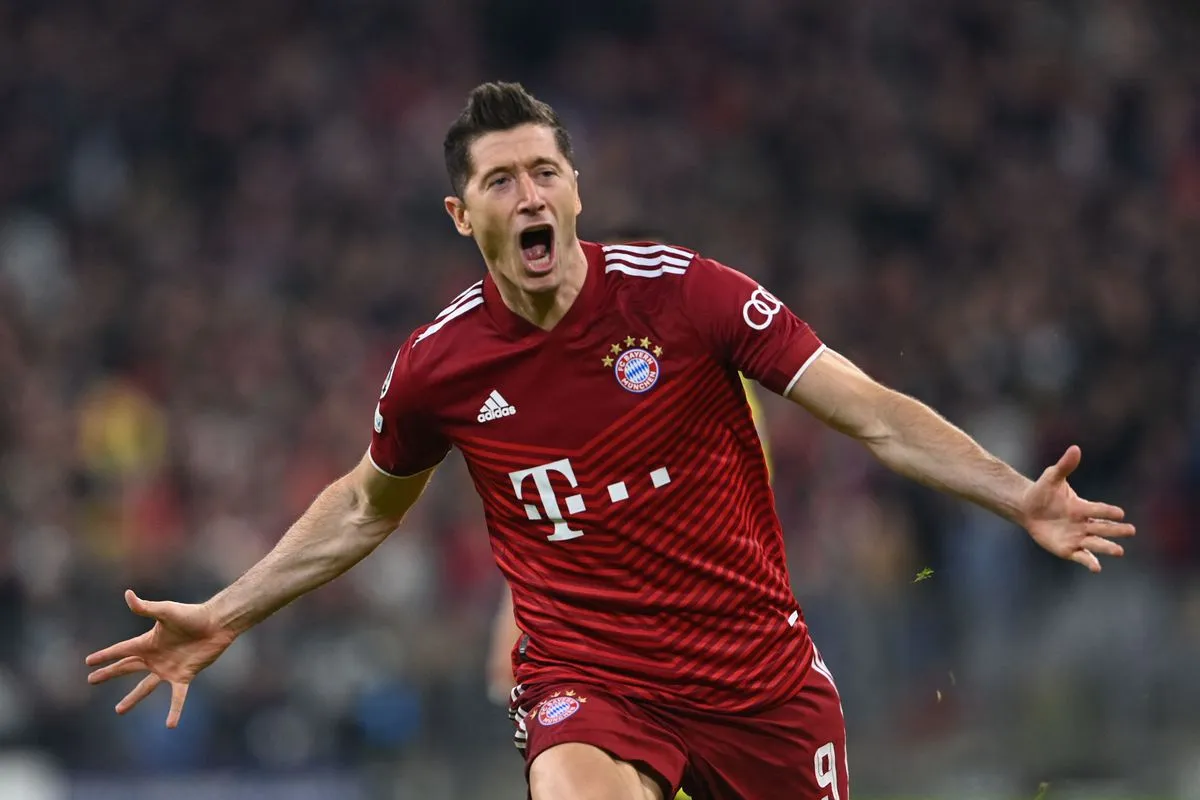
677,592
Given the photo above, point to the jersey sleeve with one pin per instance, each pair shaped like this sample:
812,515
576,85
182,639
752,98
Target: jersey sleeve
748,327
405,439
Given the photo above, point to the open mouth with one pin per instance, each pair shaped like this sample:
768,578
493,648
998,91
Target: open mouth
537,247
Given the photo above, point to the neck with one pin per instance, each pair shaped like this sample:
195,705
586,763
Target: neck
546,309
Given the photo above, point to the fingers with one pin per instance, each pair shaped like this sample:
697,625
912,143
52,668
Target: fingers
1103,547
122,667
1108,529
1066,465
123,649
1086,559
143,690
129,647
139,693
1103,511
178,696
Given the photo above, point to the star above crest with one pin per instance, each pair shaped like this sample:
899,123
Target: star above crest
628,342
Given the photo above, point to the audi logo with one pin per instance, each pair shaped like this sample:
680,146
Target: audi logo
761,309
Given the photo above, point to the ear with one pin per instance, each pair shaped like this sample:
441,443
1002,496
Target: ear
578,199
457,210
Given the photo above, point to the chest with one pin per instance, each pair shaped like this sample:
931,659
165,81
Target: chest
567,393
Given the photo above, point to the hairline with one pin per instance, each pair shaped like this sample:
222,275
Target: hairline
561,158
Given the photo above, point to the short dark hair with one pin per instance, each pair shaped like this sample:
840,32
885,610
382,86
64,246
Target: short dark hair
491,107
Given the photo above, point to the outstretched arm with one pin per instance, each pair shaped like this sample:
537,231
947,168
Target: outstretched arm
913,440
346,522
343,525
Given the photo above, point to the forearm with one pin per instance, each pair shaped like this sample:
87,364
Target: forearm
336,532
915,441
505,631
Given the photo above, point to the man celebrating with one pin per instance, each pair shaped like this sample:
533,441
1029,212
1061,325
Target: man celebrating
594,393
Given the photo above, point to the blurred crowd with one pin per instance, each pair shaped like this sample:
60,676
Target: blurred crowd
217,224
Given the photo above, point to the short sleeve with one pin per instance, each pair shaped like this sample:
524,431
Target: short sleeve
747,326
404,440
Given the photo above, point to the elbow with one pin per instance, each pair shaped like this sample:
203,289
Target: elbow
878,425
362,515
864,425
871,420
873,432
899,423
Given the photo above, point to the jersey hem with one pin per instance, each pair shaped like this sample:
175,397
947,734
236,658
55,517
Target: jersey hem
804,368
383,471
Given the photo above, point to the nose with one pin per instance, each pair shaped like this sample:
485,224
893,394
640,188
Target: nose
530,196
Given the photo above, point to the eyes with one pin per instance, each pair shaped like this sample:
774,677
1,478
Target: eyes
542,175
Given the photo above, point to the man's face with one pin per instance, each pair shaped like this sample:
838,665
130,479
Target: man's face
520,205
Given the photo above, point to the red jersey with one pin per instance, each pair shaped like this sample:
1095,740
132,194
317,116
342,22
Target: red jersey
623,482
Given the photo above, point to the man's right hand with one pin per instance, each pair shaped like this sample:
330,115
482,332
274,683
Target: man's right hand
184,640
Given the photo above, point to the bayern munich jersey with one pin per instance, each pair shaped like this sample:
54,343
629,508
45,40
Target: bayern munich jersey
624,485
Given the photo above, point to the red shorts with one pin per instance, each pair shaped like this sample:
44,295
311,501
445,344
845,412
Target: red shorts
796,750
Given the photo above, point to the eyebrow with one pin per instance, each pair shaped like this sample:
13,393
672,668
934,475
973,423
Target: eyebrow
541,161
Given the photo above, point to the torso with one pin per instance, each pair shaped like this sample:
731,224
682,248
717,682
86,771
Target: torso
625,491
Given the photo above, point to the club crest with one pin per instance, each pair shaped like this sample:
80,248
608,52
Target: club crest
557,709
635,364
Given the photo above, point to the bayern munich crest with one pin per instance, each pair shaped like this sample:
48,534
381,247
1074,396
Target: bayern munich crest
558,708
635,364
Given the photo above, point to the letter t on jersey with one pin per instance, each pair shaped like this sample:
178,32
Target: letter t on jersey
541,480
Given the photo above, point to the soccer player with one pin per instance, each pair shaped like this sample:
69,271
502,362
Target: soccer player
594,393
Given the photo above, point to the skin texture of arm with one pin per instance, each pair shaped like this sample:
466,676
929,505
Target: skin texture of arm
343,525
915,441
908,436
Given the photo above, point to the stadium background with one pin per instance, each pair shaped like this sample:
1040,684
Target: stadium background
218,221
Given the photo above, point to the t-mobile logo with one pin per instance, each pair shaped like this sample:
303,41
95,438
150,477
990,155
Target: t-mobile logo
550,510
541,479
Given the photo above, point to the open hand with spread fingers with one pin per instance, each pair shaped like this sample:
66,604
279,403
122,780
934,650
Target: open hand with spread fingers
184,640
1067,525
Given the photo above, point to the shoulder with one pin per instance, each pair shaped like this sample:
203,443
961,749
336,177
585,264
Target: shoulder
653,264
641,261
451,329
670,276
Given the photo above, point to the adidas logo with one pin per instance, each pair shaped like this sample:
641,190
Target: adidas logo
495,407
